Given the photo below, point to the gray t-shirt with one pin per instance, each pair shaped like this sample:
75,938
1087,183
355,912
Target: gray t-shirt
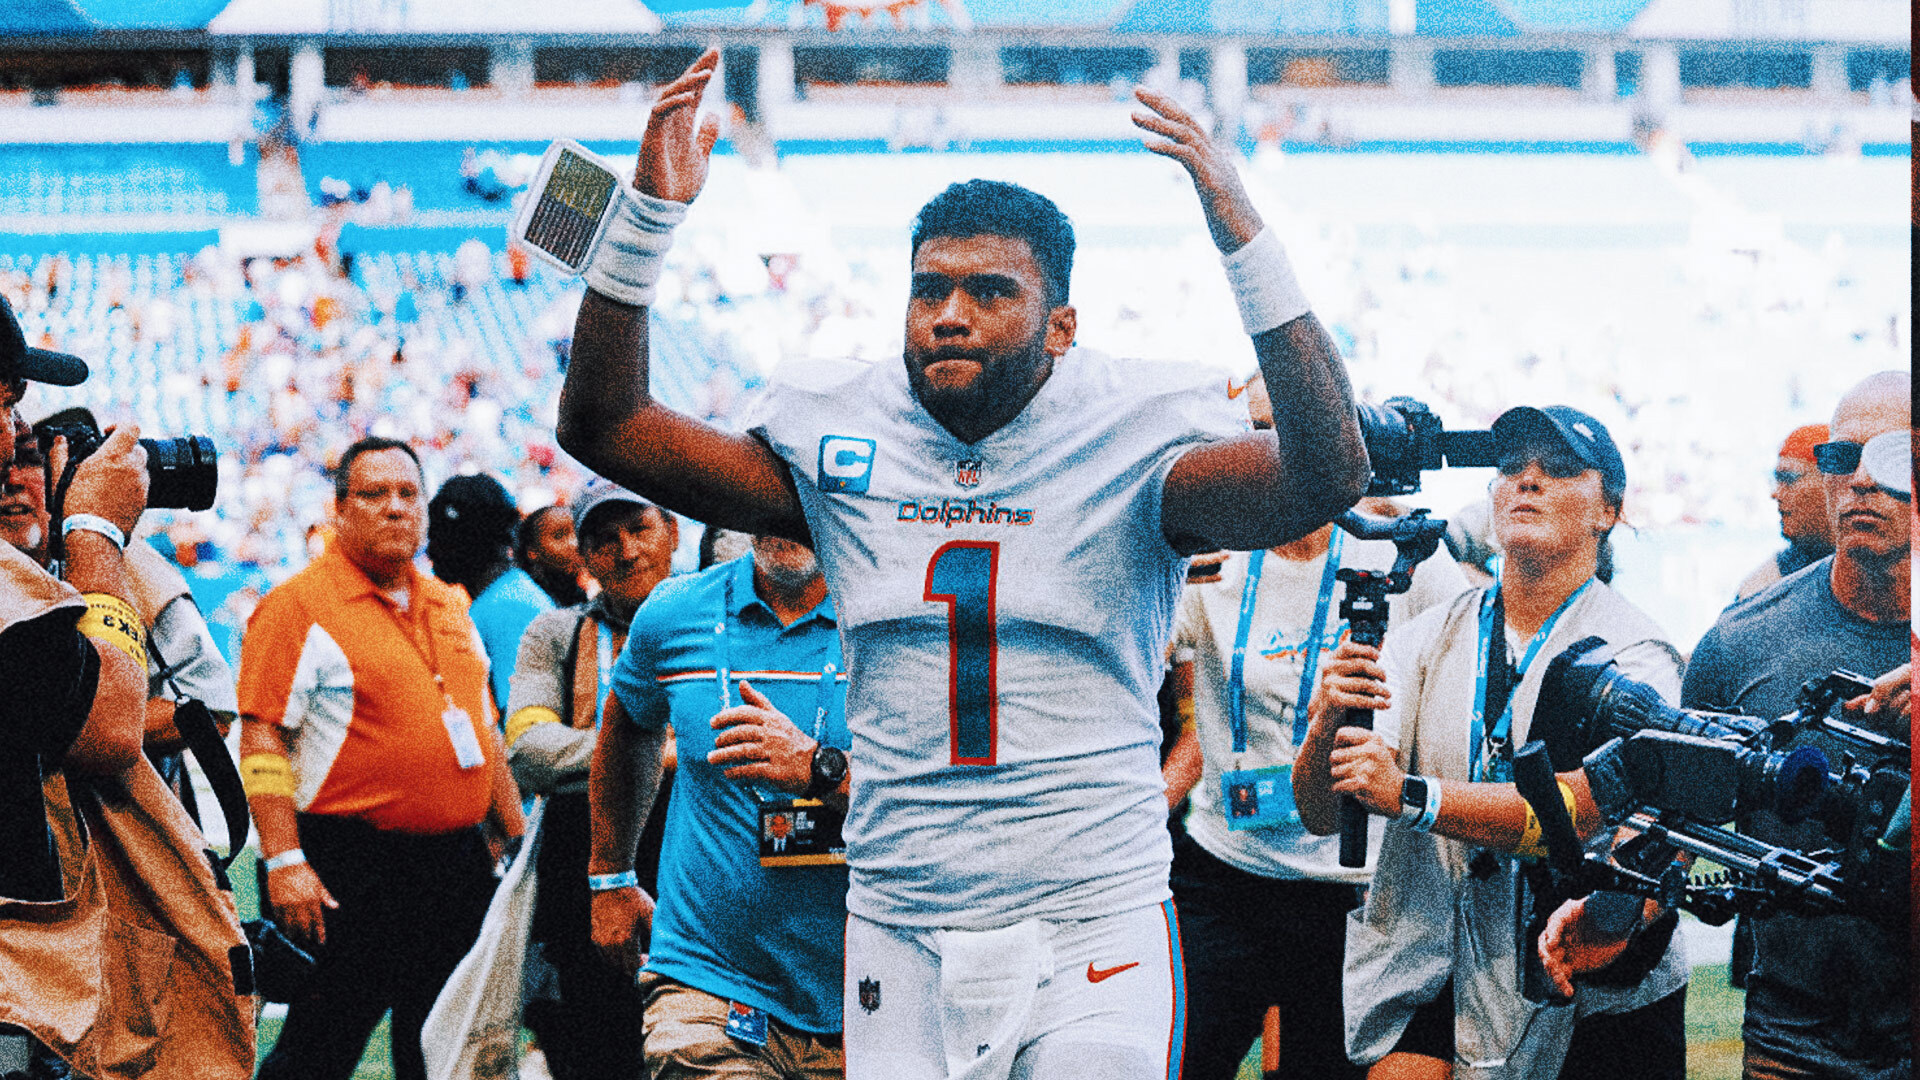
1828,993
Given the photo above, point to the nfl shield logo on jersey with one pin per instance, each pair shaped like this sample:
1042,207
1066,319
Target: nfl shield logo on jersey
967,473
870,994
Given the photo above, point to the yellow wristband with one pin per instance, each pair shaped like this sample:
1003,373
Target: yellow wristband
266,774
527,719
112,620
1531,845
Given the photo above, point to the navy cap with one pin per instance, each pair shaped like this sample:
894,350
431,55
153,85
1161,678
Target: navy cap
1580,433
17,361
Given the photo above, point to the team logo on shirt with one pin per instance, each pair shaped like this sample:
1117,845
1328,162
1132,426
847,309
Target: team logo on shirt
846,464
870,994
967,473
951,512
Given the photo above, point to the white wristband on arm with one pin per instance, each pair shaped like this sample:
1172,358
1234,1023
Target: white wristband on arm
289,857
94,523
1263,284
627,262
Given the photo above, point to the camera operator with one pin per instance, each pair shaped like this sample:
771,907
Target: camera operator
72,687
176,630
1432,983
1828,996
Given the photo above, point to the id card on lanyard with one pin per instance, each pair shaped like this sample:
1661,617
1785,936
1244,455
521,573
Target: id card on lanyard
1490,752
467,751
1263,798
792,831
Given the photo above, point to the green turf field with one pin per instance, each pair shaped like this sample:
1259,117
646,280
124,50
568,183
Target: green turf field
1713,1013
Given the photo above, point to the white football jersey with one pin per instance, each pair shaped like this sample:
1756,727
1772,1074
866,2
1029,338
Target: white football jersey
1005,607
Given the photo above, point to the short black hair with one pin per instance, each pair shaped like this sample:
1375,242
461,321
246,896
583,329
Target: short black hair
994,208
368,445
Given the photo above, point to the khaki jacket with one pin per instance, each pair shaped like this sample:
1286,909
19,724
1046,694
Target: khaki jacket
138,969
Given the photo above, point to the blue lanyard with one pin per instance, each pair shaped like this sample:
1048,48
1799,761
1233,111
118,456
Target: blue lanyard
1310,659
723,670
1479,735
605,660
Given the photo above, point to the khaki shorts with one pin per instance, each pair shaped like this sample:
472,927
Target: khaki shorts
686,1039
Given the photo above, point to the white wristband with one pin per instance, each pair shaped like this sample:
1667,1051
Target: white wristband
1263,284
290,857
627,262
94,523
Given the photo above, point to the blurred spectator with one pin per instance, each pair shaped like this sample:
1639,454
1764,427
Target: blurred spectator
1802,500
587,1025
470,529
546,548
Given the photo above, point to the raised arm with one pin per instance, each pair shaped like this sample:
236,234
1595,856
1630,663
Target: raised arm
1265,488
609,418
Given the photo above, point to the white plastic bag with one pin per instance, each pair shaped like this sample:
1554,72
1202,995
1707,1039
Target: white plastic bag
473,1032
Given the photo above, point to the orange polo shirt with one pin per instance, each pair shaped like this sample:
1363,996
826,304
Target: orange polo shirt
352,677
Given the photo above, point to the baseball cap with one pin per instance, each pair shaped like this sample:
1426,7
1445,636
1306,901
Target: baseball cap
1582,434
1801,441
599,492
1889,460
17,361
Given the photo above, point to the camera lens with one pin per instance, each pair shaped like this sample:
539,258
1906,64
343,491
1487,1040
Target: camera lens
183,473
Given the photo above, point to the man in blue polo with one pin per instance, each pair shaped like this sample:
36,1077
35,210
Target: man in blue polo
744,974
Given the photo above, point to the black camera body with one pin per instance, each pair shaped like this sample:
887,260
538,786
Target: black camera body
1681,777
182,473
1404,438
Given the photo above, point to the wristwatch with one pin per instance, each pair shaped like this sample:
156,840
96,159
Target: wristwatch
829,768
1413,797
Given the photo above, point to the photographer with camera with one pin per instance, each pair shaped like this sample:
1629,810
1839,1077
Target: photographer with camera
110,913
1828,995
182,658
1433,983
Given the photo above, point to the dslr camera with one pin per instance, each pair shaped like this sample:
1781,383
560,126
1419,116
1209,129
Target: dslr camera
182,473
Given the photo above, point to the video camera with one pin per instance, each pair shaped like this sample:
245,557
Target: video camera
182,473
1675,777
1404,438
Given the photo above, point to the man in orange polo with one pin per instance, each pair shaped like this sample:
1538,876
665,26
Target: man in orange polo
371,766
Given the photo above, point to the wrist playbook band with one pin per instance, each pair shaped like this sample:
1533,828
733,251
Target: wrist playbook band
626,879
113,621
94,523
628,259
266,774
1263,284
290,857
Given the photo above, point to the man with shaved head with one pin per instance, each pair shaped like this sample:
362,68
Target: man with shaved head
1828,995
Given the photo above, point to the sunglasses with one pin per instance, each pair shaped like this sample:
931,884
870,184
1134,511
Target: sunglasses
1837,458
1558,462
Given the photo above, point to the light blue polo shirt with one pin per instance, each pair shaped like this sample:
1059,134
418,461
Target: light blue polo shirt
501,613
769,937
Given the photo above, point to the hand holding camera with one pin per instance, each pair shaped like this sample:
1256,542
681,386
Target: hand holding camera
110,482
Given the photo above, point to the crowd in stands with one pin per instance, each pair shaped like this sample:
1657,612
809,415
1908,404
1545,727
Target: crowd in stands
286,360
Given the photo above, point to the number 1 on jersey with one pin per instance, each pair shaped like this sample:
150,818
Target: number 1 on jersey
962,576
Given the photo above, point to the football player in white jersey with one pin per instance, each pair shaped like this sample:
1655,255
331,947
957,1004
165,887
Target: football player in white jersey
1004,520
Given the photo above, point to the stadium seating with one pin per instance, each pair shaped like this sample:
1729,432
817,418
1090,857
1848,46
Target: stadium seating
177,179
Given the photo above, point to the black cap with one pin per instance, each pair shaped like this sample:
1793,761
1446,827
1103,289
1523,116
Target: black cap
17,361
1582,434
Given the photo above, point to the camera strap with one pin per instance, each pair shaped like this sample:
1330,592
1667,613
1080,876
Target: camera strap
194,721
